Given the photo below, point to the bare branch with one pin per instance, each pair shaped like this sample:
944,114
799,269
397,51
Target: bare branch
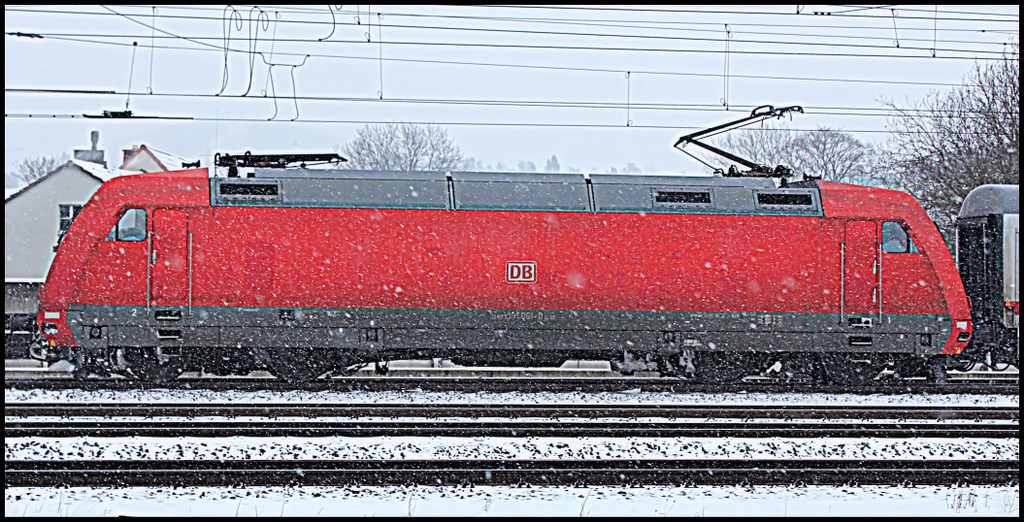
949,143
403,147
31,169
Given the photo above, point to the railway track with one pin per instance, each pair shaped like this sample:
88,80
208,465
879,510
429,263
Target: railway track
549,428
92,421
990,385
507,411
173,473
561,420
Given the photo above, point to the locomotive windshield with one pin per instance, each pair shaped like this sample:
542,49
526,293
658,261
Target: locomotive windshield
131,226
895,239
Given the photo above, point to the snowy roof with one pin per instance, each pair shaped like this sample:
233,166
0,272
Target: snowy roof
98,171
95,170
165,160
168,160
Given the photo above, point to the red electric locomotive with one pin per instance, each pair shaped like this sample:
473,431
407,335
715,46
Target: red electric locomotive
303,272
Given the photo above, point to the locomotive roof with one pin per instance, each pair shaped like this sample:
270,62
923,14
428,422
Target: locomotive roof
514,191
991,199
512,177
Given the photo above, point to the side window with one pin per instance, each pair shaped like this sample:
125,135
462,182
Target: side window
67,215
131,226
895,239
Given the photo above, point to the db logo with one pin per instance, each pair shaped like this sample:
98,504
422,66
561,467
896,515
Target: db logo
521,272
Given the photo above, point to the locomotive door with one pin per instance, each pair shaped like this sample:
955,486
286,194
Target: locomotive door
168,258
861,278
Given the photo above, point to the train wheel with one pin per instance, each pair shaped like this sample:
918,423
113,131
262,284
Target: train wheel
719,368
910,366
670,366
853,369
802,368
80,373
82,370
147,365
298,365
633,362
937,370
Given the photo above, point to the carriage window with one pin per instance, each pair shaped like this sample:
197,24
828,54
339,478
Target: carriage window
895,239
131,226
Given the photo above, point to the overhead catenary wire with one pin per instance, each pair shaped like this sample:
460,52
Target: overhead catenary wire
535,66
802,42
451,62
201,43
662,25
454,123
824,110
602,9
926,51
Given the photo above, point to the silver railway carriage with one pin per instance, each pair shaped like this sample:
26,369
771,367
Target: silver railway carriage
987,255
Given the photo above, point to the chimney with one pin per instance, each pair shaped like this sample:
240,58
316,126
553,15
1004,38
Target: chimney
93,155
128,153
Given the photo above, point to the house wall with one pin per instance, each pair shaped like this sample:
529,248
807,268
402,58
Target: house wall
32,222
143,163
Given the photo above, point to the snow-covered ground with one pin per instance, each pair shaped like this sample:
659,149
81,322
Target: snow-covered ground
598,501
451,448
965,500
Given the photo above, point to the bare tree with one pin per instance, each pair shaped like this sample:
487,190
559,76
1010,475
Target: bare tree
832,155
949,143
403,146
769,144
31,169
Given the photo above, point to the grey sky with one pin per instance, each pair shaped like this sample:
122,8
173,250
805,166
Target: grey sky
508,83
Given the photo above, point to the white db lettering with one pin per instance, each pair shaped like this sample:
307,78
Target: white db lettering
521,272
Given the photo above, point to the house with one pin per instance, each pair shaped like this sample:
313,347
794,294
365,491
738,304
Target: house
35,219
142,158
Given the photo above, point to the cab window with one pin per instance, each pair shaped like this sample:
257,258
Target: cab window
131,226
895,239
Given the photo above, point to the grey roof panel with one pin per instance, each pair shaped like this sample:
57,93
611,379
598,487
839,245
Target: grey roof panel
318,191
520,191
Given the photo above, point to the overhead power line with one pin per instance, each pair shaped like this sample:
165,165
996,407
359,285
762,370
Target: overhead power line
209,48
823,110
599,9
831,35
925,51
149,118
662,23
